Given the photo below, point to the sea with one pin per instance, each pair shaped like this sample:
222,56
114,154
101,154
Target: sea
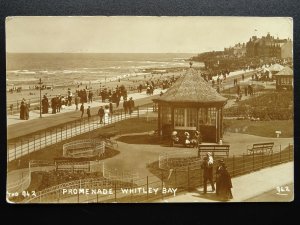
75,68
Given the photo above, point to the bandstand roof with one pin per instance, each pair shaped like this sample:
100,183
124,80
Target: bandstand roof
286,71
276,67
191,88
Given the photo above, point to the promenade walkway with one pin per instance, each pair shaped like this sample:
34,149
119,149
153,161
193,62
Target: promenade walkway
248,186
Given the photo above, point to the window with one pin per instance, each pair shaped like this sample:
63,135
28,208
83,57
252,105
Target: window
207,116
166,114
211,116
179,117
191,116
185,117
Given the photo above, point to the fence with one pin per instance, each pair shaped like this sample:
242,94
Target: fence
155,187
84,148
30,143
117,179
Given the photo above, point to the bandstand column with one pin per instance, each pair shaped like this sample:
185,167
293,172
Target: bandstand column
221,122
158,119
172,117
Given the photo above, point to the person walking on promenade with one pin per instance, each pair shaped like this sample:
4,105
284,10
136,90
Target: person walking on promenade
58,103
130,105
22,111
101,114
88,112
27,106
82,109
53,105
125,106
111,110
77,100
45,105
207,166
223,182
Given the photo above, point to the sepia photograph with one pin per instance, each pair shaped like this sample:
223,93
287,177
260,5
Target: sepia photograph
149,109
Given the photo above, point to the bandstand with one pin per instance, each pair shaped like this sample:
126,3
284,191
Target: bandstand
191,104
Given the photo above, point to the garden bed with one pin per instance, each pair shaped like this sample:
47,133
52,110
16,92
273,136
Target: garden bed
268,106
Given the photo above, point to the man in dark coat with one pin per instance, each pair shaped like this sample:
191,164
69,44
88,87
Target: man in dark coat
125,106
101,114
82,109
88,112
207,166
45,105
130,105
111,110
223,182
22,111
53,105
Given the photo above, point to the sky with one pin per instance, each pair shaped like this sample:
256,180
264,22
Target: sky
125,34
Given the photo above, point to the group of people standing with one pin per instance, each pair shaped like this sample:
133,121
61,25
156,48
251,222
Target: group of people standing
107,111
223,178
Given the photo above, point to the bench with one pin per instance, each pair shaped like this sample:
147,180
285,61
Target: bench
221,150
261,148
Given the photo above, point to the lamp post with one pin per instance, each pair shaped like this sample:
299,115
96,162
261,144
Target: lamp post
40,83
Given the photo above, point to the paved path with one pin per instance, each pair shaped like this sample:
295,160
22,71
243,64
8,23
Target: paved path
247,186
18,128
15,131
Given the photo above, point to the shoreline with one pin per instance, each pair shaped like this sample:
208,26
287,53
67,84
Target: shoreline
130,83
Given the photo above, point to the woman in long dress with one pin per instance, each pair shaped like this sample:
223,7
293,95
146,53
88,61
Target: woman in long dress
223,182
106,114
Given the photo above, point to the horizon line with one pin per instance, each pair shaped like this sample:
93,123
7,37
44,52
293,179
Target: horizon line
104,52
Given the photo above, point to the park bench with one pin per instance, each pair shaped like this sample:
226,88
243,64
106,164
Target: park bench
261,148
216,150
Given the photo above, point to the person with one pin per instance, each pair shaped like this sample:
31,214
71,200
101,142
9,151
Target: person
82,109
22,111
27,106
70,95
101,114
88,112
187,141
196,139
45,105
111,108
77,100
207,166
90,96
223,182
58,103
125,106
106,114
174,137
53,105
130,105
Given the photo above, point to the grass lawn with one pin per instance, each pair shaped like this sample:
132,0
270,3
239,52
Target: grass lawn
134,125
261,128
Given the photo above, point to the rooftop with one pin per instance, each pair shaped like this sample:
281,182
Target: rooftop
191,88
285,71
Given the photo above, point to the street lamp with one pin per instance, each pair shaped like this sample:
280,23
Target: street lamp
40,83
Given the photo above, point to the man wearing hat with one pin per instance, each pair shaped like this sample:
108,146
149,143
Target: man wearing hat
207,166
130,105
